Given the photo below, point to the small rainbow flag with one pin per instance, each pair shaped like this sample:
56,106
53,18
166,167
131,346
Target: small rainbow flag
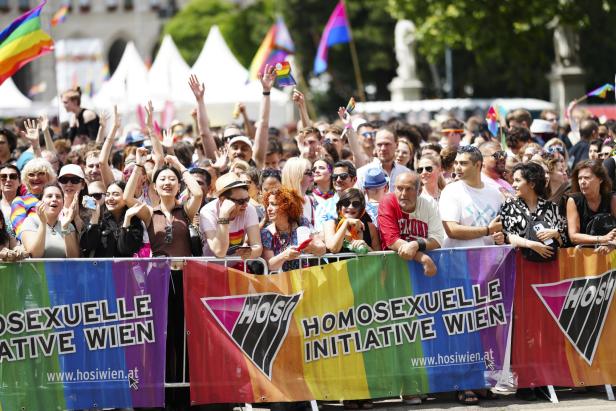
601,91
105,72
60,15
23,41
276,46
337,31
492,120
283,74
351,105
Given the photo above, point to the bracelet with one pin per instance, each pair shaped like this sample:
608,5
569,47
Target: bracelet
266,93
223,221
64,232
422,244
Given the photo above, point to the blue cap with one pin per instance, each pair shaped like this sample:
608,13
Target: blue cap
375,178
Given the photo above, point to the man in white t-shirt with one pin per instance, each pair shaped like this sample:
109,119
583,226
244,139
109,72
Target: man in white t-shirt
231,221
410,224
469,208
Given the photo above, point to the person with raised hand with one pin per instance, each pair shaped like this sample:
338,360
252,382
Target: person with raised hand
32,135
207,138
105,153
357,149
267,79
300,102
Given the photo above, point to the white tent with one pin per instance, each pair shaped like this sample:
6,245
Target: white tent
128,86
168,76
226,84
12,101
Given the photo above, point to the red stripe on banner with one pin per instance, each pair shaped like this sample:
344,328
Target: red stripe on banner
538,354
229,368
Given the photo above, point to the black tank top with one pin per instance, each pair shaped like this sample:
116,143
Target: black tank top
586,214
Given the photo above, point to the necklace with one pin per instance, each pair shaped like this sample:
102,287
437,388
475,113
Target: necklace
325,195
53,228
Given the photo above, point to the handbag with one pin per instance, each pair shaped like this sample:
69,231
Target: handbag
533,225
601,224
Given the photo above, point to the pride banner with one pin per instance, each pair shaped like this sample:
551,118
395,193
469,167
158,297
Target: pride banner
565,321
361,328
79,335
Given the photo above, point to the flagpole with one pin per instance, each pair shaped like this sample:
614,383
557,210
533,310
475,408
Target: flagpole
358,80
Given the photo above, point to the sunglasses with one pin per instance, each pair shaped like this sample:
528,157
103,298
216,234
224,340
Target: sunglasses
499,155
555,149
308,173
240,201
369,134
341,176
428,169
355,203
97,196
72,180
12,176
169,234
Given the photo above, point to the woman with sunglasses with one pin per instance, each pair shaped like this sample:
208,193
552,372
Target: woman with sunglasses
9,185
297,175
36,174
556,147
114,229
48,233
353,229
73,183
323,188
429,170
288,227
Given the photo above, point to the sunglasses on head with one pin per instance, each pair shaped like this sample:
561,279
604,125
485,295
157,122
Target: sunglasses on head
555,149
355,203
169,234
341,176
428,169
12,176
72,180
97,196
240,201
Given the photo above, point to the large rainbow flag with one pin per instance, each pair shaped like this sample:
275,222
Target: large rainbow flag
79,335
23,41
565,320
336,31
369,328
275,48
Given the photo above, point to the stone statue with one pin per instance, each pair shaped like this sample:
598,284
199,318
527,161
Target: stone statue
566,46
405,53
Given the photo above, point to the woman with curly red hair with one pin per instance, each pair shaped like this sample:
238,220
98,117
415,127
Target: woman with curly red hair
284,208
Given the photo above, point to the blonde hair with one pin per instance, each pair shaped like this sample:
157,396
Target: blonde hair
34,166
239,164
73,94
293,173
437,162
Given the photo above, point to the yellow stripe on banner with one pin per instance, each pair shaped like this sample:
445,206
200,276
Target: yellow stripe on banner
346,373
586,263
22,43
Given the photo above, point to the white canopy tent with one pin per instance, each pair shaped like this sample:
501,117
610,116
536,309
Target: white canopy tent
168,77
12,101
226,84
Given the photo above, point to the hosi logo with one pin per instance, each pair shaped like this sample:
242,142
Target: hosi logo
257,323
580,306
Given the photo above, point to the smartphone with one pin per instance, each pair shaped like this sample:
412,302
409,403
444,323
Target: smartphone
234,248
304,244
89,202
538,227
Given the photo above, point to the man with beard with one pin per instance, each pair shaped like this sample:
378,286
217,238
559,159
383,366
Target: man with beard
494,167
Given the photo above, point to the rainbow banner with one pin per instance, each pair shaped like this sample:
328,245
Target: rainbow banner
565,321
80,334
361,328
23,41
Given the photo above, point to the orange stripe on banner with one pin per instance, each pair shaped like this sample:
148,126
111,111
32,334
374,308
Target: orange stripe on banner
288,363
586,263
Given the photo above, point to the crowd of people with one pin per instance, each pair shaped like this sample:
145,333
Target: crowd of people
93,188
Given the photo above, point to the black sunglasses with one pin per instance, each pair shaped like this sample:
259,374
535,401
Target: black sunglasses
97,196
72,180
355,203
308,173
240,201
169,234
12,176
342,176
428,169
499,155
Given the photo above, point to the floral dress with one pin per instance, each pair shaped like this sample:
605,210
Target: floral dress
278,242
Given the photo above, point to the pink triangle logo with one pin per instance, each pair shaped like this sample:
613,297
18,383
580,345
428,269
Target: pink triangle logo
553,295
226,310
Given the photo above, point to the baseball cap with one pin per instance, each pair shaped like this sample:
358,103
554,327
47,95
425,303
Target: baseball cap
72,169
242,139
375,178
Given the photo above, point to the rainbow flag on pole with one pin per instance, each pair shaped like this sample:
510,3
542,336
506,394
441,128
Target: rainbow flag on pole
337,31
283,74
600,91
276,46
360,328
60,15
23,41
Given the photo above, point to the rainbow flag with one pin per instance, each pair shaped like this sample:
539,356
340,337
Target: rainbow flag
99,332
23,41
283,74
492,120
60,15
565,320
276,46
360,328
337,30
350,105
601,91
105,72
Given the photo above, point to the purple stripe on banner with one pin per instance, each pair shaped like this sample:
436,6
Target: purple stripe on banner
142,278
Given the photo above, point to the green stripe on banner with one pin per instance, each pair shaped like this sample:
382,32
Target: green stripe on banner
382,278
23,384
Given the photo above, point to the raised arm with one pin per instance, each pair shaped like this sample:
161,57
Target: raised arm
207,139
358,151
196,194
249,128
298,99
131,184
267,79
32,134
158,151
44,125
106,149
102,128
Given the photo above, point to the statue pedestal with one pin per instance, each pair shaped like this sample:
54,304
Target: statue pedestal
404,90
566,84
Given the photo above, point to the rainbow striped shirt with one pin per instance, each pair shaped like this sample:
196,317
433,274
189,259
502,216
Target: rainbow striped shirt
22,207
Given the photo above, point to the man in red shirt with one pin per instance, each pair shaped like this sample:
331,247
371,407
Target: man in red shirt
409,223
